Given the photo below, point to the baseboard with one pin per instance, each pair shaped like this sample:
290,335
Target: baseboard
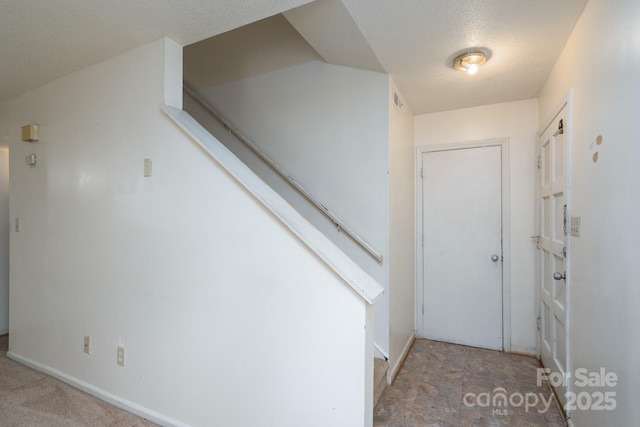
525,351
112,399
379,350
393,372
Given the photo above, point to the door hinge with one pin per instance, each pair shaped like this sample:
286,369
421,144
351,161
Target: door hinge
536,240
421,172
539,323
560,130
422,308
539,161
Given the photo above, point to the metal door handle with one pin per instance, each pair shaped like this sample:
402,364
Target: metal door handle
495,258
560,276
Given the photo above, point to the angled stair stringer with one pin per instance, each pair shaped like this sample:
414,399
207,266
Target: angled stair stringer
350,273
348,270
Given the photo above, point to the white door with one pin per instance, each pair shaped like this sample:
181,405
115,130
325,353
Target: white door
552,247
462,228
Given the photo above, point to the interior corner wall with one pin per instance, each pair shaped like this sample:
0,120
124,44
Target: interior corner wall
605,194
4,236
327,127
401,230
219,305
517,121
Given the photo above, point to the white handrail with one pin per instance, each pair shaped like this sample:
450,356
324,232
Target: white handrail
333,217
344,266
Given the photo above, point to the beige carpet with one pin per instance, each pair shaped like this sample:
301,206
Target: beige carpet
33,399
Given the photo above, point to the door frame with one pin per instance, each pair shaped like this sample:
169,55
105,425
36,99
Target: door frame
503,143
566,102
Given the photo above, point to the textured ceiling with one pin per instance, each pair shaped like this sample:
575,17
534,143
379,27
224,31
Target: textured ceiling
43,40
416,41
264,46
413,40
329,27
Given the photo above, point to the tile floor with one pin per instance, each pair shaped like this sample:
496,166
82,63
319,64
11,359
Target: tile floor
438,378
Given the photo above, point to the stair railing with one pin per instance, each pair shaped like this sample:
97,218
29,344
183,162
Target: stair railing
339,223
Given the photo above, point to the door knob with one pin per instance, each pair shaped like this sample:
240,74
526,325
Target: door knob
560,276
495,258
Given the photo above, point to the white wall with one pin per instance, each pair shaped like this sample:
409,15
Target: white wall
606,195
4,237
327,126
516,121
220,307
401,263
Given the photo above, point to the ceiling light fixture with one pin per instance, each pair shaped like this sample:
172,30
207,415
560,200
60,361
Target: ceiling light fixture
469,62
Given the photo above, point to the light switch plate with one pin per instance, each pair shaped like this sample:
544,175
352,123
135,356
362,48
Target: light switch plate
575,226
32,159
147,167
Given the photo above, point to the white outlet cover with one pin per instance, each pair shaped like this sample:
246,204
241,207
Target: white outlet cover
120,356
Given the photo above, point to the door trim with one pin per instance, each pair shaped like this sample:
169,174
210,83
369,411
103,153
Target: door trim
503,143
566,102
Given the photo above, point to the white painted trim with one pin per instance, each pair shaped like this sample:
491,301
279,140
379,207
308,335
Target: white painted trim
111,399
503,143
173,73
536,273
369,366
350,272
568,242
569,130
381,350
553,115
523,350
395,369
506,249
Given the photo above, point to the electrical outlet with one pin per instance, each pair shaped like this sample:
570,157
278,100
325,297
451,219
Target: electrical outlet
87,344
120,359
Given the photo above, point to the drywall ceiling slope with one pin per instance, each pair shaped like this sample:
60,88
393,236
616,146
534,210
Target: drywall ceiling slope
415,41
258,48
44,40
329,27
